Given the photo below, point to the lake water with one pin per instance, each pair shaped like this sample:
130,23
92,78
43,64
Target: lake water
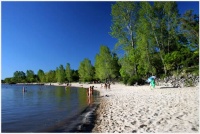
42,108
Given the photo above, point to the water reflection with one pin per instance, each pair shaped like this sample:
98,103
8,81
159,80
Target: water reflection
82,96
90,100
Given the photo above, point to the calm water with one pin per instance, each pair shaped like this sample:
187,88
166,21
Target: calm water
41,108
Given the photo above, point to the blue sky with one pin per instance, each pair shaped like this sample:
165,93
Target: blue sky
44,35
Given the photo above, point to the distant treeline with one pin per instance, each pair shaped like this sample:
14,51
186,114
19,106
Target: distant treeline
153,39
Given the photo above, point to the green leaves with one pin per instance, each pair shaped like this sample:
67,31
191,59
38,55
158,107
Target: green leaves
41,75
60,74
106,66
68,73
30,76
51,76
124,17
19,77
173,60
86,70
190,28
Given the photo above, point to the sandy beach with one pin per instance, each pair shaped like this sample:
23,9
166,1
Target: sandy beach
127,109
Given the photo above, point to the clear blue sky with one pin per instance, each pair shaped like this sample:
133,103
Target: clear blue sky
44,35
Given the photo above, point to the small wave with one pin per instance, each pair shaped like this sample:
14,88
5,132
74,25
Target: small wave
88,120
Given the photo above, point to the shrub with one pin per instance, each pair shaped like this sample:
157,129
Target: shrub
135,79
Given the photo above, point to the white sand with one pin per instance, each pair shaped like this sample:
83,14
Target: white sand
125,109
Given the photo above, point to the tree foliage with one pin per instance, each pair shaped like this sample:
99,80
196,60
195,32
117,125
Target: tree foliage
50,76
86,70
75,75
60,74
106,66
153,38
190,28
41,76
124,18
30,76
68,72
19,77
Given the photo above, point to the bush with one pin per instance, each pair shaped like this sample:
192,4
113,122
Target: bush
125,80
133,80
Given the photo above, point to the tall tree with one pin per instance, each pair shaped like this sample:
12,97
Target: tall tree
145,41
30,76
86,70
124,18
162,21
41,75
75,76
164,25
9,81
171,25
190,29
106,66
60,74
124,24
68,72
50,76
115,66
19,77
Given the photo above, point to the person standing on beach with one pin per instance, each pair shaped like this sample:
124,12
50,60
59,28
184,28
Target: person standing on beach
105,86
108,85
152,83
89,91
151,80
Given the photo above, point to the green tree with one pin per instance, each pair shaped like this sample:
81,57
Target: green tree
106,66
50,76
124,25
145,42
19,77
57,74
30,76
75,75
124,19
41,76
173,60
129,63
60,74
86,70
190,29
164,26
9,81
68,72
157,32
115,66
171,24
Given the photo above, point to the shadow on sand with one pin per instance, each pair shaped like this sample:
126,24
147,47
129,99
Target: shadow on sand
167,87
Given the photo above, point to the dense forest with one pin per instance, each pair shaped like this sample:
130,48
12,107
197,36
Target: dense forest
152,39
